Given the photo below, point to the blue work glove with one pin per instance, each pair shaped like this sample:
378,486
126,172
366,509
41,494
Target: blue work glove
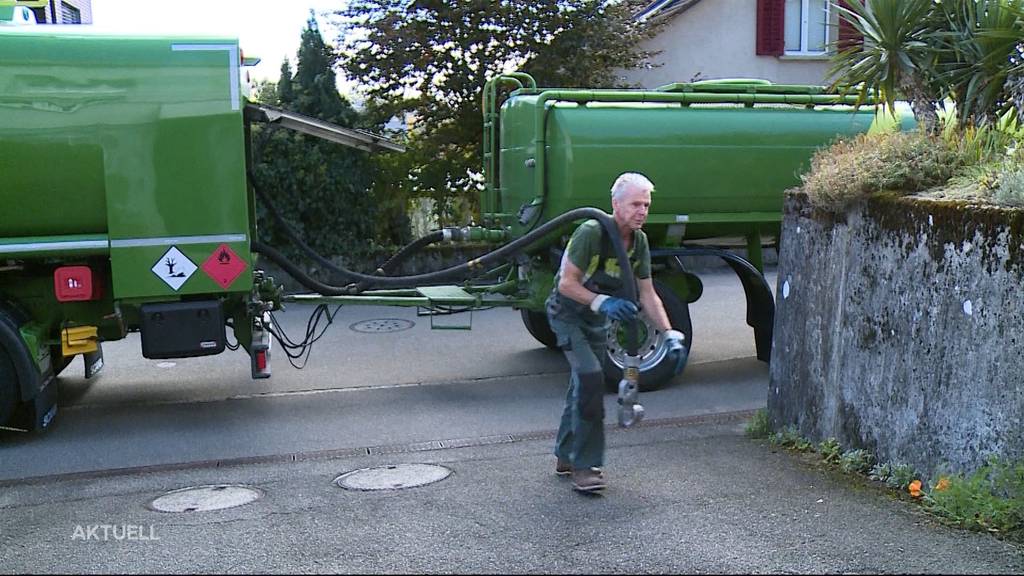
614,308
677,352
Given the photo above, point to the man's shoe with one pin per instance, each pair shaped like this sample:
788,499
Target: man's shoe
563,467
587,480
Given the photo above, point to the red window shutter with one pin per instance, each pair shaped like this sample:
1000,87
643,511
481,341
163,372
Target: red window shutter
771,20
848,35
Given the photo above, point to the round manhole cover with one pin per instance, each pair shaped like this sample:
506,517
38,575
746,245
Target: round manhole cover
205,498
393,477
383,325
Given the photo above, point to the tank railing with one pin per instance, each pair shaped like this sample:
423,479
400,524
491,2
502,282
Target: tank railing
634,96
489,204
751,86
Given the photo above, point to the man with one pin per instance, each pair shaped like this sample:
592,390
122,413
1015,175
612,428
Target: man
580,309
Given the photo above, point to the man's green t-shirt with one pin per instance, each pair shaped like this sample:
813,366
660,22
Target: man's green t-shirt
584,250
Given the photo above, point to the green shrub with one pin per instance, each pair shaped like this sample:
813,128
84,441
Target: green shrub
901,476
1010,190
854,168
897,476
785,437
789,437
991,499
881,472
858,461
830,451
759,425
980,145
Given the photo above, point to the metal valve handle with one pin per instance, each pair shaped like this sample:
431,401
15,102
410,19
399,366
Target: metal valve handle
630,410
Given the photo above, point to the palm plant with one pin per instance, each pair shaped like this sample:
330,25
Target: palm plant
1015,90
895,58
1015,79
977,42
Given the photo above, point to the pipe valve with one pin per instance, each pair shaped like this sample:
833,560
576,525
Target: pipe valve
631,412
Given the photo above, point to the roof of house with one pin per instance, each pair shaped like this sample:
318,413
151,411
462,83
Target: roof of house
664,9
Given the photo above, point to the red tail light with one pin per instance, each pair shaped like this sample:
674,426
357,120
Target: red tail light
74,284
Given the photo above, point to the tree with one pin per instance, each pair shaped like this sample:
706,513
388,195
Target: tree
285,89
322,189
895,58
429,59
977,43
927,50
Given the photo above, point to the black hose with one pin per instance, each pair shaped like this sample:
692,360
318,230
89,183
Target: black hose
415,246
291,233
297,273
347,275
366,281
382,270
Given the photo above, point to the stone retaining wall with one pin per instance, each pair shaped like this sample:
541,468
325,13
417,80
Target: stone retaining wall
899,328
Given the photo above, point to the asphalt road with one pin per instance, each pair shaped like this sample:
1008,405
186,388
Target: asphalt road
688,492
359,389
694,497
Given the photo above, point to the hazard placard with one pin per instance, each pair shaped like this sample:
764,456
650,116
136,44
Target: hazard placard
174,268
224,266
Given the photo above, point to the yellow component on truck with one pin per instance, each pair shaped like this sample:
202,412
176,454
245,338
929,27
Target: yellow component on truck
79,340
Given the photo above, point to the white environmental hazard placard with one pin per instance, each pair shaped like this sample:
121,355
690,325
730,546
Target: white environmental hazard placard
174,268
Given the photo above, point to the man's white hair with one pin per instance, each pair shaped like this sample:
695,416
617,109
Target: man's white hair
630,180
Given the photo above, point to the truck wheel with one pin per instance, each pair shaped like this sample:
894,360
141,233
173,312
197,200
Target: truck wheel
537,325
655,371
8,388
9,383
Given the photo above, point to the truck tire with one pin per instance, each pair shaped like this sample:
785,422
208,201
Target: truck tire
9,382
655,370
537,325
8,388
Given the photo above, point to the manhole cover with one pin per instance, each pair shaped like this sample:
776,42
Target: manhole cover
392,477
383,325
205,498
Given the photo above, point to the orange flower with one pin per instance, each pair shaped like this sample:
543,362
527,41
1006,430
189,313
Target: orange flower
915,488
942,484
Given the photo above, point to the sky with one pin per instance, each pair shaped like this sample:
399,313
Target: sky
269,29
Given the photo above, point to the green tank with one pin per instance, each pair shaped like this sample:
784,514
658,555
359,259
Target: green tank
125,204
135,143
719,152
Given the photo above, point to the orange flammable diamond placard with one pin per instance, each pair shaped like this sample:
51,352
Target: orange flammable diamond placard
224,266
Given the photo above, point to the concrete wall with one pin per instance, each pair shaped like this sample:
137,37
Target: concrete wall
716,39
899,328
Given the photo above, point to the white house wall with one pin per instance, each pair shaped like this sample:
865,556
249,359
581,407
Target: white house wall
715,39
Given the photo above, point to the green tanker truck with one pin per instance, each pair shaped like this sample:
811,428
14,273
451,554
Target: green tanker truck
126,205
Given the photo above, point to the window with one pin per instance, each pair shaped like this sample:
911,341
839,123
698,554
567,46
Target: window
69,14
801,27
806,26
